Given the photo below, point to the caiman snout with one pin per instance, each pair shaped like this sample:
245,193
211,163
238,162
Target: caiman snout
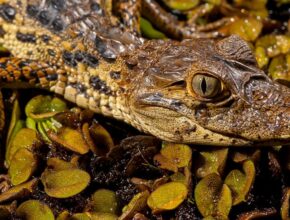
269,111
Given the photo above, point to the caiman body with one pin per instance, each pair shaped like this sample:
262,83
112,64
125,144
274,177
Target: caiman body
199,91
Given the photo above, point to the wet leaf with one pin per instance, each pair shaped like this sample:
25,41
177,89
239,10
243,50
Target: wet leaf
211,161
64,215
102,216
101,138
261,57
240,183
34,209
64,183
213,198
173,156
22,166
247,28
71,139
279,69
167,197
15,123
104,200
149,31
25,138
42,107
80,216
165,163
274,45
19,191
285,213
136,204
30,123
251,4
57,164
90,142
255,8
181,5
178,177
267,213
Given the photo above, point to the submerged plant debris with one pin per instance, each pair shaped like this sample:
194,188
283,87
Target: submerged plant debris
65,163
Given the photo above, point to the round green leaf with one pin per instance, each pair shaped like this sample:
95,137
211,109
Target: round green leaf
22,166
240,183
167,196
41,107
25,138
64,183
34,210
213,198
104,201
71,139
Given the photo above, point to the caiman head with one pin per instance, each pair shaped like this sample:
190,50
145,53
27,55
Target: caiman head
210,92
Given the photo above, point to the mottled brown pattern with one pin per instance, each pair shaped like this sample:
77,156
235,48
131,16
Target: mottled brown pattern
80,50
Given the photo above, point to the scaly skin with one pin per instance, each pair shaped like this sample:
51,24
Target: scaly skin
194,91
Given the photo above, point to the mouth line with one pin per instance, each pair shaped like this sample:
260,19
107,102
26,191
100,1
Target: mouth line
178,107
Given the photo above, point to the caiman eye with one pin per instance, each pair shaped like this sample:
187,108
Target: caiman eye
206,86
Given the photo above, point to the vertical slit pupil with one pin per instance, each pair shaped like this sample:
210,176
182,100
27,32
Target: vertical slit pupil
203,85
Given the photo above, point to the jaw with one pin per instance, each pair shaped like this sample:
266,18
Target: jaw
171,126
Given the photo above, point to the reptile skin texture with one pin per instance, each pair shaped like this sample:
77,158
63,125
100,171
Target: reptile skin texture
200,90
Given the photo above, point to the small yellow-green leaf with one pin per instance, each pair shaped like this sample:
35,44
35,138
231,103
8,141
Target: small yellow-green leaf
80,216
137,203
181,5
261,57
30,123
241,183
34,210
149,31
18,191
15,117
71,139
25,138
247,28
104,200
42,107
211,161
274,44
64,183
58,164
285,208
64,215
102,216
165,163
167,197
279,69
22,166
179,154
178,177
213,198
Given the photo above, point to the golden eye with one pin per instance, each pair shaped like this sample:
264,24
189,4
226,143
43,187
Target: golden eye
206,86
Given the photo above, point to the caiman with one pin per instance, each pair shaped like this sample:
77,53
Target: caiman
200,91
